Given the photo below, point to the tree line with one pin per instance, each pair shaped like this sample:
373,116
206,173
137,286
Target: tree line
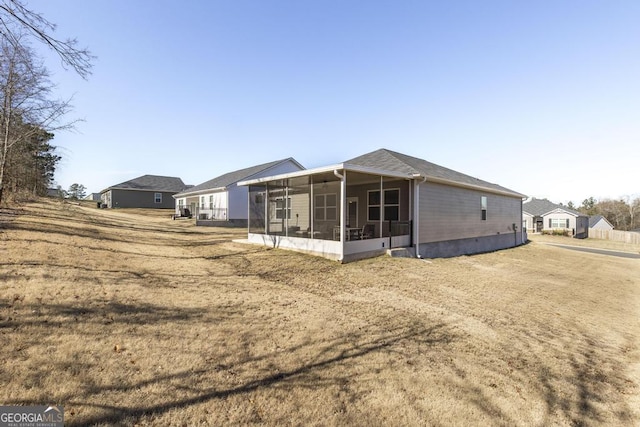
29,114
622,213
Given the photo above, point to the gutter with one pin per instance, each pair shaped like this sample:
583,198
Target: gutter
417,210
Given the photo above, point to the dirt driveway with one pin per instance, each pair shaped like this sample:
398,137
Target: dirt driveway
129,318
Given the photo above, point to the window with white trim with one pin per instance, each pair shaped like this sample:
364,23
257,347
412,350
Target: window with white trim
391,205
281,208
158,197
558,222
326,207
211,202
483,206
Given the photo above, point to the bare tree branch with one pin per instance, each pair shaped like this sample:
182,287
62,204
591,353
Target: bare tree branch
15,16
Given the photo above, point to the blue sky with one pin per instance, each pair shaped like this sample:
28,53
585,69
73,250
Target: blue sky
540,97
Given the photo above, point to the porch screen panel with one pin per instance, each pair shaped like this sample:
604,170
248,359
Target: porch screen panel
256,209
278,214
326,209
299,224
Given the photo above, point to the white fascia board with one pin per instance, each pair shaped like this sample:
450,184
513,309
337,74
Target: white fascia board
199,192
288,175
325,169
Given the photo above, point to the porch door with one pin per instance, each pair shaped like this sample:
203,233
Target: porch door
352,212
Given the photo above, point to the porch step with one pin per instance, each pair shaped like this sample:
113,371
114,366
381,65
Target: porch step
401,253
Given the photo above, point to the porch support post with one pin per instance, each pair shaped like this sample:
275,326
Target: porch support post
343,199
312,213
286,209
381,204
266,208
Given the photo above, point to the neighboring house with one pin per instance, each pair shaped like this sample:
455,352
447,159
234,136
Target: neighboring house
220,201
542,215
598,222
379,201
147,191
93,197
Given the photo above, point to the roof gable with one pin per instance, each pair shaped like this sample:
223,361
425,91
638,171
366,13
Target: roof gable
397,162
234,177
167,184
540,207
593,220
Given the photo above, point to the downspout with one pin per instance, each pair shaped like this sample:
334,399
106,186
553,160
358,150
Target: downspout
417,211
343,192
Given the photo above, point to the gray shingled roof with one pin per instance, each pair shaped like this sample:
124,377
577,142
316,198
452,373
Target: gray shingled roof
151,183
396,162
537,207
593,220
232,177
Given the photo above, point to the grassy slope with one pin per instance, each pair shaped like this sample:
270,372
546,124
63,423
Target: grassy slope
126,318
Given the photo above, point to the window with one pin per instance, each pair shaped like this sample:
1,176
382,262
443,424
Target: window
483,205
180,203
158,197
558,223
326,207
211,202
281,208
391,205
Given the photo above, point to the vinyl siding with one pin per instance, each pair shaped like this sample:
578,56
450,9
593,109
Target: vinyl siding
452,213
140,199
238,196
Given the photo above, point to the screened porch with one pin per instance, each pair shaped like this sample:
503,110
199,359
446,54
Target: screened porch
335,213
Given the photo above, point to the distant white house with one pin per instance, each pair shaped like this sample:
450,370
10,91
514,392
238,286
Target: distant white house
542,215
220,201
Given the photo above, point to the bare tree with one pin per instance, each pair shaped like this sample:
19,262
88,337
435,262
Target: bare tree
26,107
633,206
16,19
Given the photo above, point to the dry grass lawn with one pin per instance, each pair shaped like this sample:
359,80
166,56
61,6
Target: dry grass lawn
127,318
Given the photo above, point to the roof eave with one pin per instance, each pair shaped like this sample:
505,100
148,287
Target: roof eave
199,192
475,187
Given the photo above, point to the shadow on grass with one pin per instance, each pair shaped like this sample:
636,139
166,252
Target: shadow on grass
317,371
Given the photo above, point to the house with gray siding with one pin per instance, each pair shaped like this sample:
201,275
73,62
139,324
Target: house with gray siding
147,191
542,215
379,201
220,201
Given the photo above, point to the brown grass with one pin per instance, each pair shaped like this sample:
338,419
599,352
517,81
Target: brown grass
127,318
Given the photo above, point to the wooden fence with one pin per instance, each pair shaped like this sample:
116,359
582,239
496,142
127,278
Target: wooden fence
616,235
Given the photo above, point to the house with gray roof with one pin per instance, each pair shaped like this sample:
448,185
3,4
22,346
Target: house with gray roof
220,201
379,201
542,215
147,191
